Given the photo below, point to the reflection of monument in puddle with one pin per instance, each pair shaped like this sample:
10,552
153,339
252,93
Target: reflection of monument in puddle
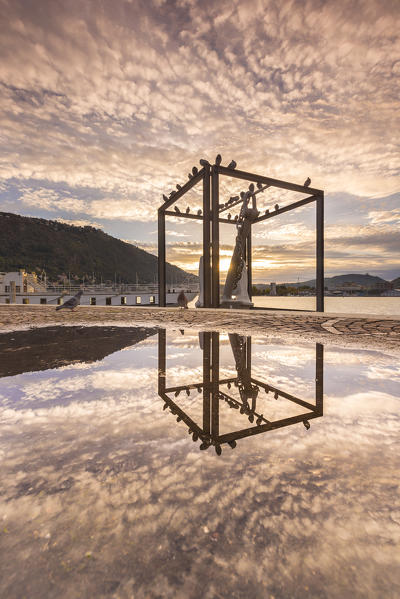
248,388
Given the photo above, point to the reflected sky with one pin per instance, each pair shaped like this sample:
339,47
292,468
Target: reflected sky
104,493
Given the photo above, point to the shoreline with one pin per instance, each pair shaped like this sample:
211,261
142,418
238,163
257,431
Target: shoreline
346,330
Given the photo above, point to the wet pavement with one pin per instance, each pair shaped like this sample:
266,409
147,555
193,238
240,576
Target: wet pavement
153,463
363,331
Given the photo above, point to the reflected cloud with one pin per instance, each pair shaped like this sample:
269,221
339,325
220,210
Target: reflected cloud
111,491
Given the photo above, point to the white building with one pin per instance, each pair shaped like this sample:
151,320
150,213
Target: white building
24,288
24,282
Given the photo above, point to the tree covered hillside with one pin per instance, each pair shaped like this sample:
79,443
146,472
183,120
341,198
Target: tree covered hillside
36,244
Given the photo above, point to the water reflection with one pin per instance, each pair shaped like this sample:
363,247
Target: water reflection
104,494
214,389
52,347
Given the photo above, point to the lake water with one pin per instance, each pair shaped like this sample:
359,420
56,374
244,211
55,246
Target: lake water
388,306
150,464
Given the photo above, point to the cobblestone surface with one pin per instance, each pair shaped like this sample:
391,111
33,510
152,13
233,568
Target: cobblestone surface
367,331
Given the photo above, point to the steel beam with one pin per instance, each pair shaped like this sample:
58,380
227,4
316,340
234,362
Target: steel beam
263,428
206,239
300,402
161,259
215,237
266,180
162,361
320,253
206,381
197,217
319,377
249,265
186,187
297,204
215,385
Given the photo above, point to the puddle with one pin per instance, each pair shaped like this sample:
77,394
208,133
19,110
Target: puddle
145,463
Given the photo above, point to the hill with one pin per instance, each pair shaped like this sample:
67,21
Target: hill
338,280
36,244
396,283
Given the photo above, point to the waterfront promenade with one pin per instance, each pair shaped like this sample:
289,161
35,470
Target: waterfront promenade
369,331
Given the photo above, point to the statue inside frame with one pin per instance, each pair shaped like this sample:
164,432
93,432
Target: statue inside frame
235,294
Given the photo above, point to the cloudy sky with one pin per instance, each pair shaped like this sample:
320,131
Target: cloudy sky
107,105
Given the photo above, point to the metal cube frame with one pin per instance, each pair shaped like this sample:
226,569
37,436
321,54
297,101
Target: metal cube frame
209,385
210,177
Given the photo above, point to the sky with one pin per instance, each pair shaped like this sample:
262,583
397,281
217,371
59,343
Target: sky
105,106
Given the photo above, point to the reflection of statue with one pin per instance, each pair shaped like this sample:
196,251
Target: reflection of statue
236,280
239,349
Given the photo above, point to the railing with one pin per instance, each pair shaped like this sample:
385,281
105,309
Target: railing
138,288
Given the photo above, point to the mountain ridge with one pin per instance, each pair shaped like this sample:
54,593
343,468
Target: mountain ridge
338,280
37,244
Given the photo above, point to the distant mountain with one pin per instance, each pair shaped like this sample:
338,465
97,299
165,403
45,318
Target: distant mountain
35,244
396,283
338,280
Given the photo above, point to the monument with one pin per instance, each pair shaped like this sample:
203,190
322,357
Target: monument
238,283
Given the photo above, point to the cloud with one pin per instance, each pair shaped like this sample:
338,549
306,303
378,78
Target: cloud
111,117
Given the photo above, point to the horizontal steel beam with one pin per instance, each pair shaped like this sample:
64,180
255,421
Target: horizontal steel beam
223,170
263,428
302,202
181,192
300,402
183,215
196,217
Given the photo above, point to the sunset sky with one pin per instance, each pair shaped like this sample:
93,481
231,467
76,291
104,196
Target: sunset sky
106,105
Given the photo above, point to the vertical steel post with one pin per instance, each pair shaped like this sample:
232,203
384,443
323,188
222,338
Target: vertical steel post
215,236
319,377
162,360
249,265
161,258
206,239
206,381
320,253
248,355
215,386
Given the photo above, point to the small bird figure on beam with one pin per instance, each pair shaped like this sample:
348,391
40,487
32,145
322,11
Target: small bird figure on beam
220,206
267,211
178,187
259,185
229,216
251,187
172,193
177,209
276,206
199,212
307,182
190,176
187,210
232,164
236,217
233,199
218,160
182,300
72,303
306,424
165,198
204,162
195,170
